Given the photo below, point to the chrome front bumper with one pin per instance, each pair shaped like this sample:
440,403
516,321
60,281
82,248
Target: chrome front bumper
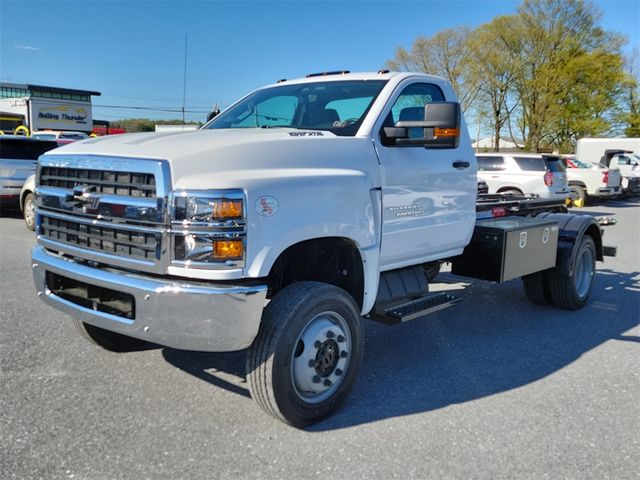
173,313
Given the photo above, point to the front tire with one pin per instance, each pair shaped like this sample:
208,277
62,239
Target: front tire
304,361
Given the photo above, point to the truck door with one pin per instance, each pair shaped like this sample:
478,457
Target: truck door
428,195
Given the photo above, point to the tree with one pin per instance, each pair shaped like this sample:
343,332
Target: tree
445,54
555,50
492,71
630,98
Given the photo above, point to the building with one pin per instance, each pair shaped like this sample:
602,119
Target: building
486,144
45,108
176,128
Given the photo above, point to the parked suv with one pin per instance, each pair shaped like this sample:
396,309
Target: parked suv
524,173
61,137
18,157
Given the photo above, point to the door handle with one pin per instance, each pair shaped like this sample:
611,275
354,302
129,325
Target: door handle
460,165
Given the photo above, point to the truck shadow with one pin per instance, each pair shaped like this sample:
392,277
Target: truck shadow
461,354
10,211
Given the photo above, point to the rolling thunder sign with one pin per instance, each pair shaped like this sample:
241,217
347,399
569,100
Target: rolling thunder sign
61,116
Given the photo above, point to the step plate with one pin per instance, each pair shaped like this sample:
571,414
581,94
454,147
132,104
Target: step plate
422,306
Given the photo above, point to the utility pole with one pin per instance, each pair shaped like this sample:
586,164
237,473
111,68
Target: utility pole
184,83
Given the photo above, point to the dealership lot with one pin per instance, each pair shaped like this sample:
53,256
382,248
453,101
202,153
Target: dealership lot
494,388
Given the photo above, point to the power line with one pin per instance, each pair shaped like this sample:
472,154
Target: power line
158,98
157,109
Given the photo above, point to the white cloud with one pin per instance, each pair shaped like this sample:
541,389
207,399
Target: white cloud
26,47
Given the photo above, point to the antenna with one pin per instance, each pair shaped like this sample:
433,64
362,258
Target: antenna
184,84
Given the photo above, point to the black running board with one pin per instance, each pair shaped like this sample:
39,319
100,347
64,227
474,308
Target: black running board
420,307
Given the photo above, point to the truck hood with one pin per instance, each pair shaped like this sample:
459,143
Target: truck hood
226,158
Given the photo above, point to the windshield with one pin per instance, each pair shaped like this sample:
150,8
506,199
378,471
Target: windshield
339,107
45,136
73,136
575,163
628,159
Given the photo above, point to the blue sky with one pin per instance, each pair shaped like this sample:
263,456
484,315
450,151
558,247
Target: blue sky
133,52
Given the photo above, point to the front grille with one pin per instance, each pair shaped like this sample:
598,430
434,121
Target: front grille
104,181
118,240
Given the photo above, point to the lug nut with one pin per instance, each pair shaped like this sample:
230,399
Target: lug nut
312,363
330,334
316,379
339,372
317,344
327,383
340,339
343,354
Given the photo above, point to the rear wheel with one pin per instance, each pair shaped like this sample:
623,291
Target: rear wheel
578,196
537,288
114,342
29,211
573,291
512,191
304,360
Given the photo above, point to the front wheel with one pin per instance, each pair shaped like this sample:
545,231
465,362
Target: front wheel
304,361
29,211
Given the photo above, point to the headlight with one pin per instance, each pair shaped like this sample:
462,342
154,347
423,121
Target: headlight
206,209
209,227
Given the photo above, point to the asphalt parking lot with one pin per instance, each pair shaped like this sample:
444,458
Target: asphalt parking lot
493,388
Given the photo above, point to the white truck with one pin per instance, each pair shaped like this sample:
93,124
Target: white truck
303,208
615,153
588,180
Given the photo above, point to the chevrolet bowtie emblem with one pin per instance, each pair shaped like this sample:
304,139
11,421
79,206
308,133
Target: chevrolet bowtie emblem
86,195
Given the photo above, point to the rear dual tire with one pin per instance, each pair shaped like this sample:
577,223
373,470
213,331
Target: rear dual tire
571,292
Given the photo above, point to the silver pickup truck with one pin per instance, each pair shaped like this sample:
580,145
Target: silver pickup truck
18,158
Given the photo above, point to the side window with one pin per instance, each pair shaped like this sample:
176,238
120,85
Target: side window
490,164
410,104
531,164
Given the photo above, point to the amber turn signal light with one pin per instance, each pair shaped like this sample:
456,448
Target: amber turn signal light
226,209
227,249
446,132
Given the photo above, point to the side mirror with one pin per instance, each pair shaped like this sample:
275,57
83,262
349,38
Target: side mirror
440,127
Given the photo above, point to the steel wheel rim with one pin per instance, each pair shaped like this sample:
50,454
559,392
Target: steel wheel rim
29,212
584,273
321,357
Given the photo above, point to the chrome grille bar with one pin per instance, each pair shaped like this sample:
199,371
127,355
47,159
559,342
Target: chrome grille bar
103,181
